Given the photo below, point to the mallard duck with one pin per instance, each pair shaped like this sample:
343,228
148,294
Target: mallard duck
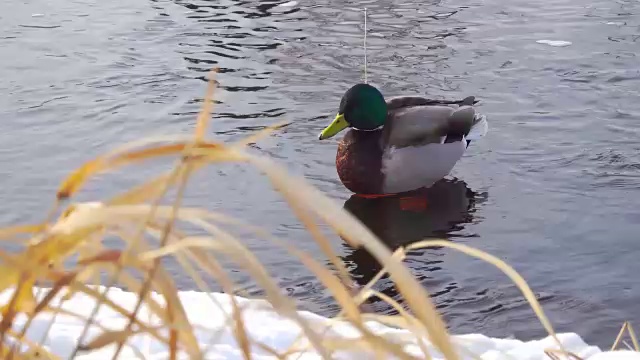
400,144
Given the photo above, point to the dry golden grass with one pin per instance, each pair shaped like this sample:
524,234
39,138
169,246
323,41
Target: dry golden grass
66,251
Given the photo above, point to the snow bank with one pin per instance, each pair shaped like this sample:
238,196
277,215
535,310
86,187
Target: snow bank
273,330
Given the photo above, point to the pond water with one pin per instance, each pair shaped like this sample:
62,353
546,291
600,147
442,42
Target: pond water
553,188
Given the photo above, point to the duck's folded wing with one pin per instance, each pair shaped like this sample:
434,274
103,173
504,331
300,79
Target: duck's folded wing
398,102
421,125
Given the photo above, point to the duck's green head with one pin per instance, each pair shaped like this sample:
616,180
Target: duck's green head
362,107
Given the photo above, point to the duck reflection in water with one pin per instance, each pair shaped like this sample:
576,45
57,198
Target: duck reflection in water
401,220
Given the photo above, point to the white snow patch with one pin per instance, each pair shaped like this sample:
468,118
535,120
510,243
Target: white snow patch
557,43
207,313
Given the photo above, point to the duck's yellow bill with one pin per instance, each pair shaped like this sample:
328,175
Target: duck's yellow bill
338,124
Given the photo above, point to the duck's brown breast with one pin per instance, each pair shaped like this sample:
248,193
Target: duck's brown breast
359,160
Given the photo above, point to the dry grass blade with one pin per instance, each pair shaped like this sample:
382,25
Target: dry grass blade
144,192
253,138
95,294
505,268
13,231
21,300
71,314
207,107
409,322
77,179
343,297
58,286
34,350
555,354
176,312
61,281
217,272
107,338
629,329
188,242
634,338
364,292
153,306
240,332
322,241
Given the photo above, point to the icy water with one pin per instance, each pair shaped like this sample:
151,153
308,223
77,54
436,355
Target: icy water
553,189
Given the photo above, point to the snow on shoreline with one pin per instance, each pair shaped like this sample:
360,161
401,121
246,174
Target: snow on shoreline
271,329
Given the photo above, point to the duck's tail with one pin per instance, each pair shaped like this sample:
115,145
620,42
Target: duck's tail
479,128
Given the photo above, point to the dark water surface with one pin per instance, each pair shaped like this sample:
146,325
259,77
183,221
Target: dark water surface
553,189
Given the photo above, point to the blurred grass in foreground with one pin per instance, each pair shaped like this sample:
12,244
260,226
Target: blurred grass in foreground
66,251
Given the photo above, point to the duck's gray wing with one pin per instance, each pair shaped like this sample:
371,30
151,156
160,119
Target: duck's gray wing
398,102
414,121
